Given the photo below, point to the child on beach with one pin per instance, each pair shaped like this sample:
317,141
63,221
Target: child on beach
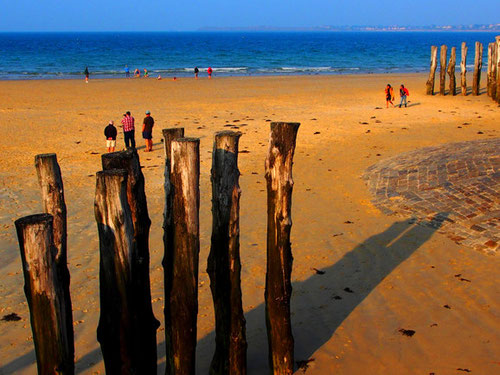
137,73
389,95
403,92
146,73
86,72
110,133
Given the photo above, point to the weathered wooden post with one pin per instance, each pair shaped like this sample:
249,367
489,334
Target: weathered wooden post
125,329
279,252
442,69
491,73
478,64
463,69
224,266
497,93
432,74
181,288
46,292
141,291
451,71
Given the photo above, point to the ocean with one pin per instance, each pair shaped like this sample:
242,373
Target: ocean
65,55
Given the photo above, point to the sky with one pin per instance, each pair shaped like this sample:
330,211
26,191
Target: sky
186,15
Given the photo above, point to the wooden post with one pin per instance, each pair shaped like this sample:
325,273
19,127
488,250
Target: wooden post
491,74
181,288
279,252
451,71
46,291
497,93
126,331
224,266
432,74
141,291
442,69
478,64
463,69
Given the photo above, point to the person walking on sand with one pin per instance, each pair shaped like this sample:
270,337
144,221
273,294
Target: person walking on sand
128,130
110,133
209,71
196,71
127,71
147,131
146,73
389,95
87,74
403,92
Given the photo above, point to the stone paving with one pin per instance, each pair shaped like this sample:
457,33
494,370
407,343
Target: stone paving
457,184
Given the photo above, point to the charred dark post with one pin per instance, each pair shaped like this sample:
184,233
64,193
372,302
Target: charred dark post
451,71
181,288
279,251
442,69
127,330
46,292
224,266
141,290
432,74
478,64
463,69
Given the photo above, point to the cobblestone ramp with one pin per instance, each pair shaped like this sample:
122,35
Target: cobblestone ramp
457,184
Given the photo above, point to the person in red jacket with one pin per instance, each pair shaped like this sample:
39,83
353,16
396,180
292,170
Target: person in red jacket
403,92
209,71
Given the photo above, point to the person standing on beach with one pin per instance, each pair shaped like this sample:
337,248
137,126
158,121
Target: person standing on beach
147,131
146,74
110,133
87,74
128,130
196,71
403,92
137,73
389,95
127,71
209,71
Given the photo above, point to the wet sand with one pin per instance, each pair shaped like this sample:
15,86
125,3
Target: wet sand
384,275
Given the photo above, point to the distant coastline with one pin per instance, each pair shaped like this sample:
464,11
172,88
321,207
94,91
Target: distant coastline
434,28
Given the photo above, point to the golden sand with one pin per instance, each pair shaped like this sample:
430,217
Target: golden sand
401,275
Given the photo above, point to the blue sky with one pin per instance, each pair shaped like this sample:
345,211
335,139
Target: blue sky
158,15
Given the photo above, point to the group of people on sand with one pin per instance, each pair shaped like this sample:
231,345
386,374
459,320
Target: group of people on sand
137,73
389,95
128,125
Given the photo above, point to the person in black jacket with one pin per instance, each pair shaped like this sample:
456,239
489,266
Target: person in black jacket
110,133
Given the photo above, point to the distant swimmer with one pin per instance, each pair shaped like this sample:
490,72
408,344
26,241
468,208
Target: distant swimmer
389,95
209,71
196,71
146,73
403,92
127,71
87,74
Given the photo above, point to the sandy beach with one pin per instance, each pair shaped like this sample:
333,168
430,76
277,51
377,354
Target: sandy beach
383,273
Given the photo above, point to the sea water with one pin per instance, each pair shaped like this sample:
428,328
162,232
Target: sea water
169,54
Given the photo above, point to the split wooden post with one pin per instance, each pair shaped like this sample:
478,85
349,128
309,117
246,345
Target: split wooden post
463,69
46,292
224,266
432,74
168,136
478,64
126,330
181,288
279,252
136,198
491,73
497,93
442,69
451,71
